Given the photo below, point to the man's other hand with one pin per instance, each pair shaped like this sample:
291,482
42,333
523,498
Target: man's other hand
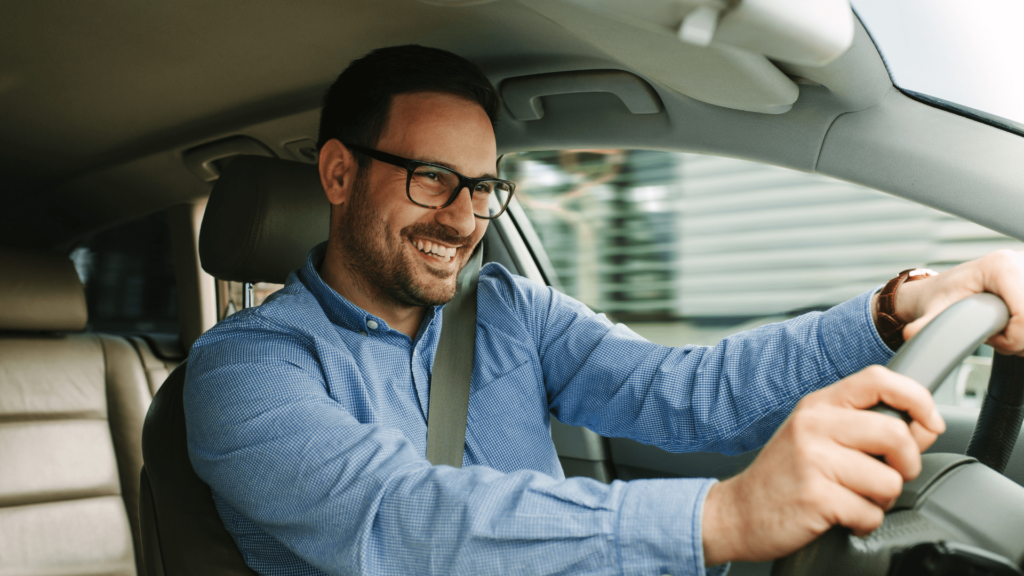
818,469
1001,273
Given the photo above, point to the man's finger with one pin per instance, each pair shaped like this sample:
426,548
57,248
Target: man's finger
1011,340
866,476
923,436
855,512
1003,275
877,384
911,329
880,435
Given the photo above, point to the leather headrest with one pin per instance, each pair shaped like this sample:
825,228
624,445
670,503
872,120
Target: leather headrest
263,216
40,291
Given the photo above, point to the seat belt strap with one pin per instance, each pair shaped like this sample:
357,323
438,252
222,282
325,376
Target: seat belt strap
448,406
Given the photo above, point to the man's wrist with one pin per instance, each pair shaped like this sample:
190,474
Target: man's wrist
720,530
896,305
908,300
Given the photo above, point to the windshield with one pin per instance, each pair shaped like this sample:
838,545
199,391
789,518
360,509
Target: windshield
964,56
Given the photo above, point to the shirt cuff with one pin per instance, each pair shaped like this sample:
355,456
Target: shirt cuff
659,527
720,570
849,337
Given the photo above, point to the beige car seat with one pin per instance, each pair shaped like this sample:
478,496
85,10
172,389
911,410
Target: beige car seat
71,411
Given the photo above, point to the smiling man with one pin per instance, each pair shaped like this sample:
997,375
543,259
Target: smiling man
307,416
401,255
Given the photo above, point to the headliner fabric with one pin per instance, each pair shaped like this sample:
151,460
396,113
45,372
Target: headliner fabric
40,291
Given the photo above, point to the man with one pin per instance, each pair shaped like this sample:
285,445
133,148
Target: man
307,415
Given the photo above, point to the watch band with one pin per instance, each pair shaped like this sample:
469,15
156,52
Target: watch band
890,328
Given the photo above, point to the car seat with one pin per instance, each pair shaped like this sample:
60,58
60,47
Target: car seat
71,410
262,218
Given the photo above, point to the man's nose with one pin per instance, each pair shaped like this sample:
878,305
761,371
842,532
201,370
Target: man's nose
458,216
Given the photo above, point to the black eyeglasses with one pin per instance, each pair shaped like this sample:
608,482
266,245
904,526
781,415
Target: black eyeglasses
434,186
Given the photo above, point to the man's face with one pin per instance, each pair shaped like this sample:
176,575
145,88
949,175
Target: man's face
408,254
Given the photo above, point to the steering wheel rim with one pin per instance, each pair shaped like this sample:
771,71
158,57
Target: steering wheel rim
945,341
950,337
928,358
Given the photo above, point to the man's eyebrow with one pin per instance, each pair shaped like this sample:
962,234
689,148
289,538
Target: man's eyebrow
452,168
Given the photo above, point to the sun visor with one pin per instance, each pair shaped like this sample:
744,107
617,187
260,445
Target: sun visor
717,53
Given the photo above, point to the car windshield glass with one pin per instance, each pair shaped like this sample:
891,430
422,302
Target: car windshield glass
967,57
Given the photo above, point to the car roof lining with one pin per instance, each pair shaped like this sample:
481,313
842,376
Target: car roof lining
65,186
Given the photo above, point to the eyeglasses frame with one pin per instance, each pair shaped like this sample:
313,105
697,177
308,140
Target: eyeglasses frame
411,165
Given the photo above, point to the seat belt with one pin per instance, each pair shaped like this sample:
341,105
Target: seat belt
448,407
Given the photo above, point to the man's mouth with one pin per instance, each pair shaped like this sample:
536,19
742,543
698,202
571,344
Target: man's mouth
434,250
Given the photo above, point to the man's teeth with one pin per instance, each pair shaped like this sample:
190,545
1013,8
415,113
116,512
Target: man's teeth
443,253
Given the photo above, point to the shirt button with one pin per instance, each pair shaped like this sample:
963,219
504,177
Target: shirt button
361,333
371,324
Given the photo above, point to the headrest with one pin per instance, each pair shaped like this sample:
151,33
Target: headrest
40,291
263,216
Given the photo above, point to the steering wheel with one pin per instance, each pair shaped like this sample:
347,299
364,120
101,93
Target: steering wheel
959,516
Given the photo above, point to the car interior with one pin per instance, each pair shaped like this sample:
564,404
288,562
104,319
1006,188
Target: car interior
158,164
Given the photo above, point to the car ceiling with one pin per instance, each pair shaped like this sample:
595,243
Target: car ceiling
99,100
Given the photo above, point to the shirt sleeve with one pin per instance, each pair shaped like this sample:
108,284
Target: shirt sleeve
350,497
728,398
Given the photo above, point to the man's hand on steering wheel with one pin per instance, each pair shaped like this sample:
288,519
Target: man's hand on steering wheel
817,471
1001,273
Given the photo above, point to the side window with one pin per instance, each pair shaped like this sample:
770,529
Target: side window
129,279
687,248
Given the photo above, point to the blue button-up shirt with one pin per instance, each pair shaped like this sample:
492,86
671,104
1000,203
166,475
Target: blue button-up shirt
307,416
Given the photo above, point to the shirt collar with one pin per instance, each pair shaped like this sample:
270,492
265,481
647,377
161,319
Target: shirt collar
338,309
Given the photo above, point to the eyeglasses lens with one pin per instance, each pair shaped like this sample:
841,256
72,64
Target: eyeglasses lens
431,186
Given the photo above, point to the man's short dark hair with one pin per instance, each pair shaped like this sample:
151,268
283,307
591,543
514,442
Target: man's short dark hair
356,106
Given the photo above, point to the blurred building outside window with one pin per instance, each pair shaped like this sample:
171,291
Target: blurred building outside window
688,248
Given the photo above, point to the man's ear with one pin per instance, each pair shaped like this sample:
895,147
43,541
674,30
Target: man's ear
337,171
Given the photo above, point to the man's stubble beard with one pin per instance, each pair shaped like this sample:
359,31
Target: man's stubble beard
375,256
